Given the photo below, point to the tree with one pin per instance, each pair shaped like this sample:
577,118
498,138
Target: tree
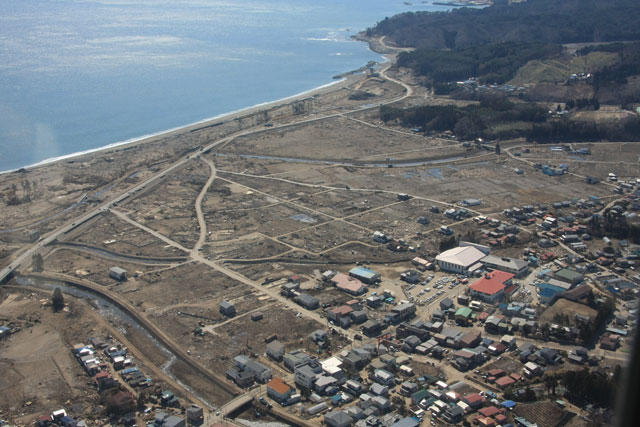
38,263
57,300
545,329
400,404
550,381
529,395
143,397
447,243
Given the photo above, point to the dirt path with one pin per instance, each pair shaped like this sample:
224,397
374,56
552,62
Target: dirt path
201,222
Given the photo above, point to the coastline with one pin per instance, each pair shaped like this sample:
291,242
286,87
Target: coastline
219,119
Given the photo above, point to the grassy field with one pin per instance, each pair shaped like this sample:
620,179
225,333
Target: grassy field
559,70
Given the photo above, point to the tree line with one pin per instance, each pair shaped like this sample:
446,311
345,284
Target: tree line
472,121
490,63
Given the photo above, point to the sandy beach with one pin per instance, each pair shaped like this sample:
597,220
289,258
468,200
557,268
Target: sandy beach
328,88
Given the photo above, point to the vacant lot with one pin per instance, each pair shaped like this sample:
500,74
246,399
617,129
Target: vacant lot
566,307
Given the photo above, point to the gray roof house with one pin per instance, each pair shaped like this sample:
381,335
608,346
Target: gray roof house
227,309
307,301
275,350
174,421
338,419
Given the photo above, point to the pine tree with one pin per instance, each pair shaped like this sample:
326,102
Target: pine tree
38,263
57,300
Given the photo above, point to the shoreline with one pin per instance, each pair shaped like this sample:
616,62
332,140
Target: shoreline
221,118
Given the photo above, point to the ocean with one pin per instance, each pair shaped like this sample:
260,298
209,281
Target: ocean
76,75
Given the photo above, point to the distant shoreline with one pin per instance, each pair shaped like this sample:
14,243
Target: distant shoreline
222,118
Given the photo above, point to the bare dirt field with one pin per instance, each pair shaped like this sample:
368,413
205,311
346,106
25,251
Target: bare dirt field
110,233
566,307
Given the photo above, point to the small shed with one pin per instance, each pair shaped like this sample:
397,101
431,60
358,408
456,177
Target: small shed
227,309
118,273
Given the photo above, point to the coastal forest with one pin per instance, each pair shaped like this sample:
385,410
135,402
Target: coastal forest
529,67
545,21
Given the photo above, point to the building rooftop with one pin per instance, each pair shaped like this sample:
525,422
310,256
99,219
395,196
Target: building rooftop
507,263
279,386
463,255
343,310
568,275
464,312
492,283
363,272
348,283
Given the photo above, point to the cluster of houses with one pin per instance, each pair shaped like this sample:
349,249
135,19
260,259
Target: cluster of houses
99,367
92,362
101,361
330,383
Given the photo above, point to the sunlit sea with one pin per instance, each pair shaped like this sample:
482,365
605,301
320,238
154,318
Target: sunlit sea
77,75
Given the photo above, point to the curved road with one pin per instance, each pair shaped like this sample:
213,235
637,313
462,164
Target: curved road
201,222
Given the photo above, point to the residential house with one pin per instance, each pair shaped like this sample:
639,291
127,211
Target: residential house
305,375
227,309
338,419
296,358
118,273
278,390
383,377
372,328
275,350
307,301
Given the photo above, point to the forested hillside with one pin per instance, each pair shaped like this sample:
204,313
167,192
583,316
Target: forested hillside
492,63
545,21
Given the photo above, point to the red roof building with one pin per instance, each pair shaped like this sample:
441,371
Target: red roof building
485,421
482,316
504,382
496,373
278,390
349,284
497,348
500,419
337,312
474,400
489,411
491,286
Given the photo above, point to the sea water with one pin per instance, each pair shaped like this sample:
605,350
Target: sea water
76,75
